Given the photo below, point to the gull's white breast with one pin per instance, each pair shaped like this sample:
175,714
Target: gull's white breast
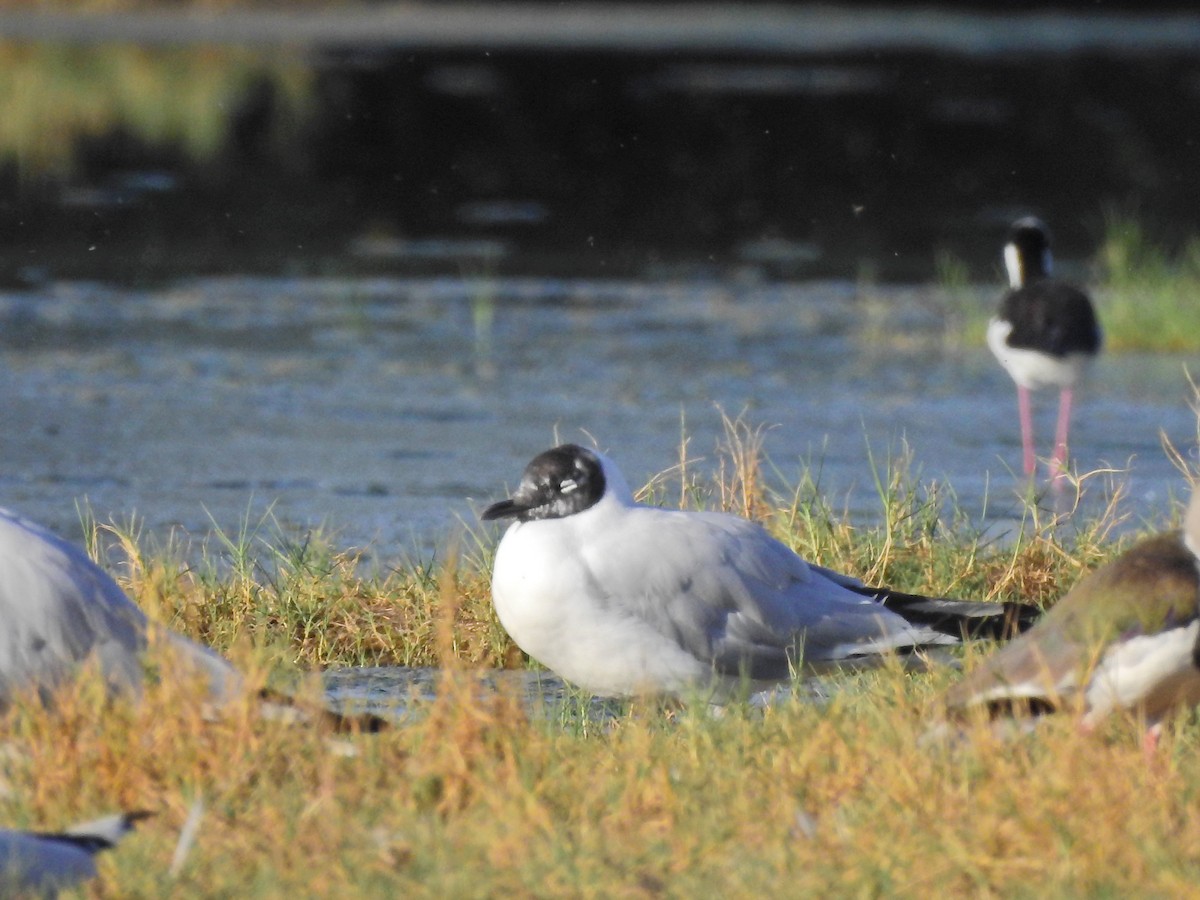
549,593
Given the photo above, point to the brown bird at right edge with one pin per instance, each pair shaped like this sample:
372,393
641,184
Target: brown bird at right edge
1125,637
1045,334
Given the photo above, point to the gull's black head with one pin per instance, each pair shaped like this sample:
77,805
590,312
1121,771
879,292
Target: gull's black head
557,483
1027,253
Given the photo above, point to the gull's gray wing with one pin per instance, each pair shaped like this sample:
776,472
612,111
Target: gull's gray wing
730,594
59,609
31,866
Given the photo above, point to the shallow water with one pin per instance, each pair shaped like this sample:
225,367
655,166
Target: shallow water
401,692
390,410
398,692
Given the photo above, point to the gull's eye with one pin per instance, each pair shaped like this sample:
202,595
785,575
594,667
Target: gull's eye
568,485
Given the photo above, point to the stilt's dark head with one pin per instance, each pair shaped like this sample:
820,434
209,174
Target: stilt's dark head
1027,253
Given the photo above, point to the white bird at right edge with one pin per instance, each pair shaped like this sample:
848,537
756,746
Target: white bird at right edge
623,599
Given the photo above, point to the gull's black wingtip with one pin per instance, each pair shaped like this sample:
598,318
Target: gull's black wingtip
968,619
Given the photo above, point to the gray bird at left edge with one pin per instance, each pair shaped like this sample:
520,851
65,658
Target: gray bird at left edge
40,864
624,599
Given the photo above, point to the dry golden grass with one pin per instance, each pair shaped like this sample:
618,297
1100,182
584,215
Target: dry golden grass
477,795
476,798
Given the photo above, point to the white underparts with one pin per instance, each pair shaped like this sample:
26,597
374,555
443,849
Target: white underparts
1034,369
1134,671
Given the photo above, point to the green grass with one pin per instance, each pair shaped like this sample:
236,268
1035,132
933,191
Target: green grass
174,100
1148,293
476,797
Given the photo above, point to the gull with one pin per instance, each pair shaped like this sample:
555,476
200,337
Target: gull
623,599
1045,334
1125,637
60,612
40,864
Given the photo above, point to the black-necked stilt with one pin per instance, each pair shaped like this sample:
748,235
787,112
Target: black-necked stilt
622,598
1127,636
1045,333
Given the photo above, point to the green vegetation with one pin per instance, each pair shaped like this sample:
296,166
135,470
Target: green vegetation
478,796
958,301
53,97
1148,296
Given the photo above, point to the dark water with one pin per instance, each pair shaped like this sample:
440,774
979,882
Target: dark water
629,141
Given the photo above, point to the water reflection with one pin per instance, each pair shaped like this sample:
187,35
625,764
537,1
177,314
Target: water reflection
136,162
400,693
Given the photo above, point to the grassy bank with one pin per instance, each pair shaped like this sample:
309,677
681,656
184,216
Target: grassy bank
1148,292
477,796
477,799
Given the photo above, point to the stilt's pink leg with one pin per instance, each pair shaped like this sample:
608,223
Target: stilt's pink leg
1026,429
1059,465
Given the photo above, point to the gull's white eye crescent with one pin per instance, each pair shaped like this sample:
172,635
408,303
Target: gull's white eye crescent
568,485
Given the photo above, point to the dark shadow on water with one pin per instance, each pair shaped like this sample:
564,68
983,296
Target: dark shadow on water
590,162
